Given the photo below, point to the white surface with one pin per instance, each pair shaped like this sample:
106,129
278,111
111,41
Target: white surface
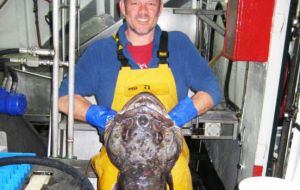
86,144
37,181
3,139
93,182
212,129
267,183
3,148
3,142
272,81
18,24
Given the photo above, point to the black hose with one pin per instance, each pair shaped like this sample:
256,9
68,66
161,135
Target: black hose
9,51
2,65
5,75
3,3
229,103
37,25
13,74
4,69
14,78
48,20
4,60
80,178
212,36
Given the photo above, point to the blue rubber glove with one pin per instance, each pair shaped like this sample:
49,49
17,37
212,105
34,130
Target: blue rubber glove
183,112
98,116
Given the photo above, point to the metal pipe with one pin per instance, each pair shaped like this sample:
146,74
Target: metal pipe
202,14
49,138
34,74
37,115
197,40
59,141
37,51
78,27
64,8
55,26
63,29
33,62
64,144
72,40
212,24
112,8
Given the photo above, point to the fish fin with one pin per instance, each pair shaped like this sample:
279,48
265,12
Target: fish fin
170,181
116,186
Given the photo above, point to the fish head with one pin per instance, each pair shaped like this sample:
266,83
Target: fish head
142,140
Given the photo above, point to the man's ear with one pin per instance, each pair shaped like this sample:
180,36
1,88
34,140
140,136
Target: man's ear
122,7
161,7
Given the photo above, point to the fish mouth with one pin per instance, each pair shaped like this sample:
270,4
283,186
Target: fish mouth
145,99
145,103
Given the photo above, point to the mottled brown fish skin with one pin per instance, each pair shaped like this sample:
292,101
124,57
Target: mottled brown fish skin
143,143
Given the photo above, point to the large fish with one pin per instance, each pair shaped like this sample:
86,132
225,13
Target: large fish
144,144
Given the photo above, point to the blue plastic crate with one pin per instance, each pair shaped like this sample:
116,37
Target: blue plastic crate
13,176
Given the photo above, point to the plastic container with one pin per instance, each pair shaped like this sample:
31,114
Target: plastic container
3,96
13,104
13,176
16,104
267,183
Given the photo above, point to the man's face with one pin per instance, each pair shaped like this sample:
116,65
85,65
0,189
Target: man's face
141,15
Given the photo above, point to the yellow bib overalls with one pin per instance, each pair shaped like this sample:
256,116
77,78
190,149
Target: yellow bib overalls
160,82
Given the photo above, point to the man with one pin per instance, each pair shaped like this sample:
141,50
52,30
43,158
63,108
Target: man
103,71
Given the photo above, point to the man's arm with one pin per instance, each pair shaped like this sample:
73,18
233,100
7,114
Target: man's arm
81,105
96,115
202,102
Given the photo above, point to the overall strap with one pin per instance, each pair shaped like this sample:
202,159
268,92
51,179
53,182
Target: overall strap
121,57
163,52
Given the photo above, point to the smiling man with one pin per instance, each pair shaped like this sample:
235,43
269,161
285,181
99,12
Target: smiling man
141,58
141,19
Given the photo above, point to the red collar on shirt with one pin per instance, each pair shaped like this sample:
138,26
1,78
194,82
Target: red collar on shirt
141,54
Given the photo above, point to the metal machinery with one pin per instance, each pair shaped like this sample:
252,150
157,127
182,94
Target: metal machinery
238,135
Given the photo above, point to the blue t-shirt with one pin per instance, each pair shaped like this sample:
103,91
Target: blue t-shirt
97,69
